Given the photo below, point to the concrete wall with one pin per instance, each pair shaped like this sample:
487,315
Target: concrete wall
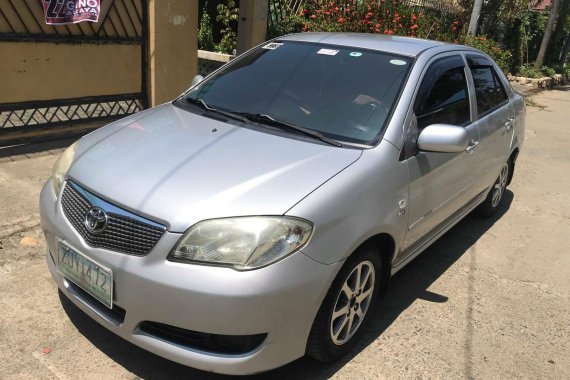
44,71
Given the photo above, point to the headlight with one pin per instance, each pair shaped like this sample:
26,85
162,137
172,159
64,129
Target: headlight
244,242
61,167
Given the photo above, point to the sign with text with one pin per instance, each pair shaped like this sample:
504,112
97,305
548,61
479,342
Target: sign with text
58,12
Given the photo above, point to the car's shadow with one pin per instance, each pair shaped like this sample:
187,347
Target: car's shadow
409,285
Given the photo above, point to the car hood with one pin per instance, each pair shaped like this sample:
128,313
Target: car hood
179,168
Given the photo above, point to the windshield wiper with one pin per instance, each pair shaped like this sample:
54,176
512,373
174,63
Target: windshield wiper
266,119
201,103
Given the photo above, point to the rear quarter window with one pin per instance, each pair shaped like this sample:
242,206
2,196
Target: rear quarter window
489,91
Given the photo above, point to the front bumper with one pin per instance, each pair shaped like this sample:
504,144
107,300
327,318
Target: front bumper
280,300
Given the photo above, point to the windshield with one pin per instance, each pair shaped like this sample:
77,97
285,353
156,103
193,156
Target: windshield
344,93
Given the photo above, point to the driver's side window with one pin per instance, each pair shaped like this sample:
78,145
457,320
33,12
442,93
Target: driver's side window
443,96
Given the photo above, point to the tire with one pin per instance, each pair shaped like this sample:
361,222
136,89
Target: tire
491,204
331,338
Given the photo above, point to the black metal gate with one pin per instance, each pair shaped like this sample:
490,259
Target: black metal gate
120,22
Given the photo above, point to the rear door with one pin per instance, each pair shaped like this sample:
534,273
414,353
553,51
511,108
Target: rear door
495,118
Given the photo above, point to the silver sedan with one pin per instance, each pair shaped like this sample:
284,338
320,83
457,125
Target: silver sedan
259,216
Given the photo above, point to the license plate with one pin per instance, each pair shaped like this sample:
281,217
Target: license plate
90,276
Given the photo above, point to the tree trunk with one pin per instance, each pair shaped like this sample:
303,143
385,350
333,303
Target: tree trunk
560,35
554,10
565,51
475,17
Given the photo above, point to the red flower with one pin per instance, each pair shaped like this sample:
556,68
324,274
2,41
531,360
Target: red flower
414,17
313,16
390,32
414,27
341,20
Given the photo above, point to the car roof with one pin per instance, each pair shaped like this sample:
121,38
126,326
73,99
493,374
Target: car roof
395,44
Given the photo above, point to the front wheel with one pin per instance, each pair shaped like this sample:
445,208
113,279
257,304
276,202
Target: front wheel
491,204
346,308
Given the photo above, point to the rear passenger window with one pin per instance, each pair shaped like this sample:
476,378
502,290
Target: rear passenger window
442,98
489,90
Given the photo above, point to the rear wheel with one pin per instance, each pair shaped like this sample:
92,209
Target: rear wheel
346,308
491,203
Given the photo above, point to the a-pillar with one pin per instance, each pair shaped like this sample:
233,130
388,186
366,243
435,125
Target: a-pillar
172,48
252,24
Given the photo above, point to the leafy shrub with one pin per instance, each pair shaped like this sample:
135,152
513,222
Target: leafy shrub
548,71
283,20
393,17
205,37
227,13
492,49
529,71
287,25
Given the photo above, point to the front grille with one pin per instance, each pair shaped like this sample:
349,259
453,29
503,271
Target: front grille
214,343
125,232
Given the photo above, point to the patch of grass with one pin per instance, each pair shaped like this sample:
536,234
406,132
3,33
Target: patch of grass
530,102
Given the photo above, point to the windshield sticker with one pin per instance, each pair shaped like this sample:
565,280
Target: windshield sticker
327,52
355,54
271,46
397,62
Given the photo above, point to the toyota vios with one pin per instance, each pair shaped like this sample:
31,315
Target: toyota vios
259,216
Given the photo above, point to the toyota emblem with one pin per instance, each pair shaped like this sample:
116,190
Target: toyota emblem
95,220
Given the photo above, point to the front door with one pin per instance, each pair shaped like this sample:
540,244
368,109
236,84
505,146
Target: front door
440,183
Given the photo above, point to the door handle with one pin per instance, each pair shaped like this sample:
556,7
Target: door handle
509,124
472,145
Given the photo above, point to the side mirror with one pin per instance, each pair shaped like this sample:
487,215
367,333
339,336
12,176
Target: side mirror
197,79
443,138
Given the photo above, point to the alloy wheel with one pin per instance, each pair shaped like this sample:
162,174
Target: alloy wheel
352,303
500,185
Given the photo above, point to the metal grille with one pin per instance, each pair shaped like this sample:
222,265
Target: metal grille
43,113
122,234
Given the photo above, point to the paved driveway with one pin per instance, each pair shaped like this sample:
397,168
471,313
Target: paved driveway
491,299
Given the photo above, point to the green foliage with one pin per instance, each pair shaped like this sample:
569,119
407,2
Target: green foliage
283,20
534,25
492,49
205,37
227,14
548,71
289,24
529,71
